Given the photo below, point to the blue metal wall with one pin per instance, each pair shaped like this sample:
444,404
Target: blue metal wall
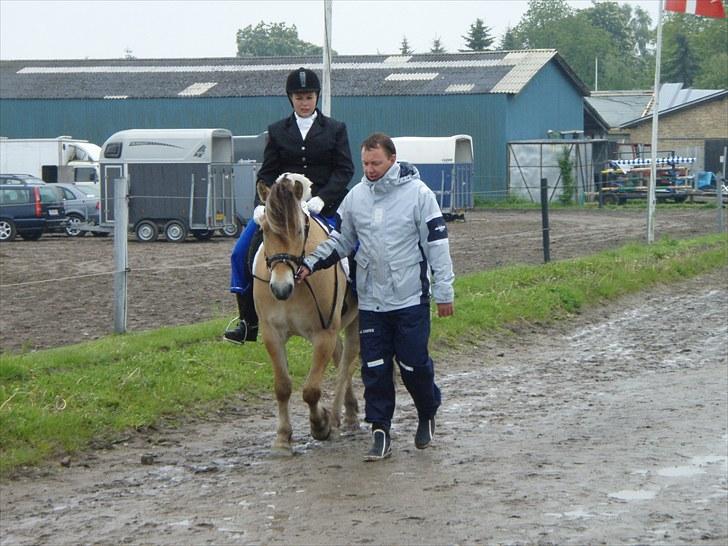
549,101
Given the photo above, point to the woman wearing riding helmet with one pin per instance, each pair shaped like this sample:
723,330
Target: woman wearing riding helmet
308,143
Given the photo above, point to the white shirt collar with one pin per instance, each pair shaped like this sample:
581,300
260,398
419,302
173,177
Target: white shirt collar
304,124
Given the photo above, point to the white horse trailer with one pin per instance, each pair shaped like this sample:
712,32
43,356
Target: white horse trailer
446,166
180,181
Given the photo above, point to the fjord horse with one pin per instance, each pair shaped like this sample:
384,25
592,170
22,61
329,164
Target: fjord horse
316,309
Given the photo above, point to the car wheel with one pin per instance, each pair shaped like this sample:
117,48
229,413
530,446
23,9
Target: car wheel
203,234
72,229
33,235
232,230
175,231
7,230
146,231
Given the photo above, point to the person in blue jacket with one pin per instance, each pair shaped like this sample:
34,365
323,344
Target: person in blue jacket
402,258
306,142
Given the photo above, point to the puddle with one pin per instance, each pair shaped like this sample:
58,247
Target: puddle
680,471
628,495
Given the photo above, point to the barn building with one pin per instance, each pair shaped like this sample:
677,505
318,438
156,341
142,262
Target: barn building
495,97
692,123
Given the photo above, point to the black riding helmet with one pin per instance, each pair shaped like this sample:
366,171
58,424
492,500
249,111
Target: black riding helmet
303,80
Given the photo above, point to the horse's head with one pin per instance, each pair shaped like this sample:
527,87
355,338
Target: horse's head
285,229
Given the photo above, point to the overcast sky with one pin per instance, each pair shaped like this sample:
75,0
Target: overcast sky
189,28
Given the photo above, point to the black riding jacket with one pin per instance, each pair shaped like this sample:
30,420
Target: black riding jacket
323,157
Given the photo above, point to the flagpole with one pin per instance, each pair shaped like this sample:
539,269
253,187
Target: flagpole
326,87
653,144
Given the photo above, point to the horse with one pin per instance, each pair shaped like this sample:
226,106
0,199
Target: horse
317,309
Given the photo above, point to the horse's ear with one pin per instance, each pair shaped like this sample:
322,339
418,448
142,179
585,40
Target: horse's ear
298,189
263,191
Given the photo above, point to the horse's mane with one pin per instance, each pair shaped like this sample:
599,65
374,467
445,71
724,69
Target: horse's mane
282,208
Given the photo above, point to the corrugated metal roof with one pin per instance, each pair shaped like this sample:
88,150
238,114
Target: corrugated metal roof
364,75
625,108
618,107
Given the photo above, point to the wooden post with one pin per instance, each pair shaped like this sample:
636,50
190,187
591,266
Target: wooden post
121,228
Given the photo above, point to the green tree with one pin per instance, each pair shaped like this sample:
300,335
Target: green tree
437,46
543,23
706,40
509,40
404,47
613,34
273,40
679,63
478,37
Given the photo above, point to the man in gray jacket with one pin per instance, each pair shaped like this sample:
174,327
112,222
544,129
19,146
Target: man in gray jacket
402,239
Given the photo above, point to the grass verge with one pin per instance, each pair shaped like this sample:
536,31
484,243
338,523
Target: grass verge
63,400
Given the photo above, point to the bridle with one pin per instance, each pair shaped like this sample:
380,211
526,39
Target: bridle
289,259
294,262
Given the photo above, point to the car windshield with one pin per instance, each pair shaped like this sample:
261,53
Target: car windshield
49,194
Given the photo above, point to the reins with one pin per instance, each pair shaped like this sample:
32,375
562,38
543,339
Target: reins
289,259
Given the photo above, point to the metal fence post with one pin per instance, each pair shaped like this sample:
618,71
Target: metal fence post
545,219
121,227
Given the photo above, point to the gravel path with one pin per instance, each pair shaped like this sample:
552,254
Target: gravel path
611,428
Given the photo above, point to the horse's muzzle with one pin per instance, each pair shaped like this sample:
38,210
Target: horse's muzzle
281,291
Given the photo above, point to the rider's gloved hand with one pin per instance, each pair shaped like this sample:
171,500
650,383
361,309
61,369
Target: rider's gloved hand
315,205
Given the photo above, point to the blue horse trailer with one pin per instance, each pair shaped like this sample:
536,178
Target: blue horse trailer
446,166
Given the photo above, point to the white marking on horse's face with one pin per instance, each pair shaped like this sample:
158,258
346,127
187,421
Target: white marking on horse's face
281,281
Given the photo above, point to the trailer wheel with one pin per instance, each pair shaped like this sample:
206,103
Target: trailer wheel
232,230
146,231
203,234
175,231
7,230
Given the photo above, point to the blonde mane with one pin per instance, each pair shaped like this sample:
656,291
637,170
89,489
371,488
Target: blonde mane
282,209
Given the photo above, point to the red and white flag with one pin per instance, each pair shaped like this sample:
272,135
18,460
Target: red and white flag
706,8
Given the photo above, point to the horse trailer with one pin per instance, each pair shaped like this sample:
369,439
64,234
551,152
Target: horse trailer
180,181
446,166
248,157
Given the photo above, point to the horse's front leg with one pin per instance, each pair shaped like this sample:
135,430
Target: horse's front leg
323,348
282,385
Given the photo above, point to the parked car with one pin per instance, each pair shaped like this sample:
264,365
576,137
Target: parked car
82,204
29,207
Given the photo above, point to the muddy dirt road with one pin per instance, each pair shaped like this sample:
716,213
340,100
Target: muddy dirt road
611,428
58,291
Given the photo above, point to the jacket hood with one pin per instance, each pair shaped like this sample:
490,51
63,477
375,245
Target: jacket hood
398,174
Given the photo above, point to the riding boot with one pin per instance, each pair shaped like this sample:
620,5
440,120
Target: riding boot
247,328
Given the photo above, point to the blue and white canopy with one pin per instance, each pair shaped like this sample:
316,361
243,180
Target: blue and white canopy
627,164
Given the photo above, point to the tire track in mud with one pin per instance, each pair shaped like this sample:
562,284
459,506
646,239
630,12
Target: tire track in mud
606,429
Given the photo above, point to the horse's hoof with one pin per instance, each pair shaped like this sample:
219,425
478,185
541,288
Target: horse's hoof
281,451
351,425
321,431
